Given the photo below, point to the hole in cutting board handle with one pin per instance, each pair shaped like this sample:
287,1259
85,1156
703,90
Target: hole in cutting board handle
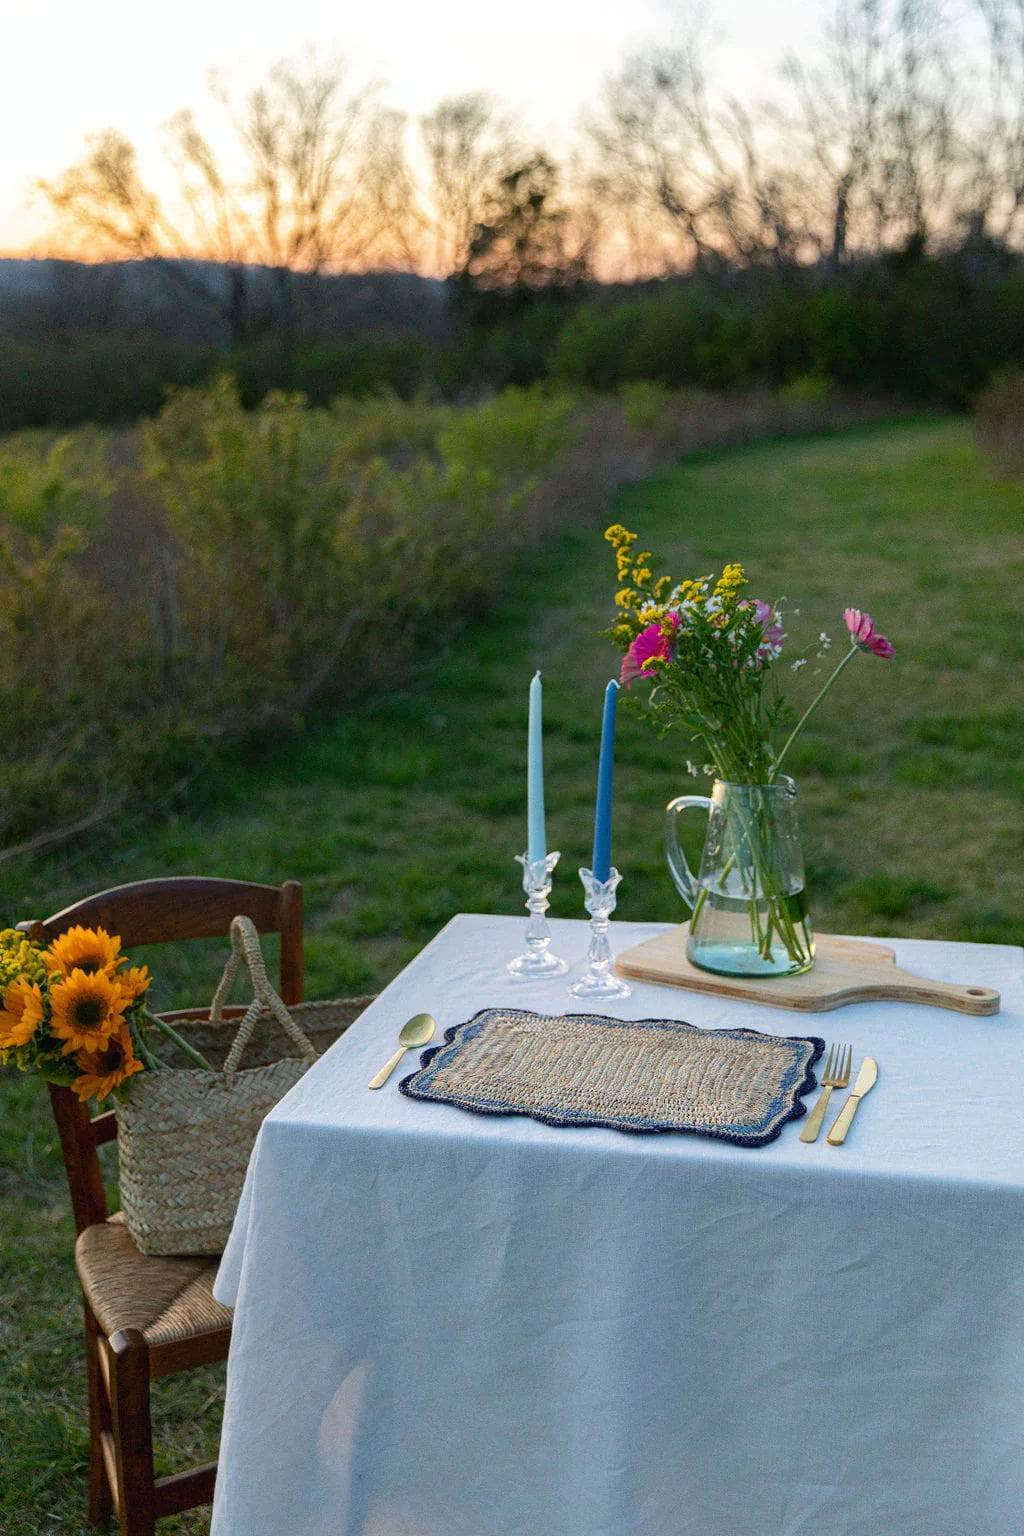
978,992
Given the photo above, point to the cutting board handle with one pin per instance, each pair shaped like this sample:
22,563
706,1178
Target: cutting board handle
941,994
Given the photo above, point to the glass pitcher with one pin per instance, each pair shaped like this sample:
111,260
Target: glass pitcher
748,909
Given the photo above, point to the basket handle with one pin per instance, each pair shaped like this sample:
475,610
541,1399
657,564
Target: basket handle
245,949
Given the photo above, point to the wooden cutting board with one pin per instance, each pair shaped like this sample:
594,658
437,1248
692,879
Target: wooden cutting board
845,971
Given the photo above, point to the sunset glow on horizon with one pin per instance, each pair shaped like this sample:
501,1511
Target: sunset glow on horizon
73,72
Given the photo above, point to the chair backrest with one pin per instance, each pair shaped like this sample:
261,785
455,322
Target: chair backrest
159,912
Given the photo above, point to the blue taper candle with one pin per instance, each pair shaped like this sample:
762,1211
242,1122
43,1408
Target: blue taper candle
536,847
601,862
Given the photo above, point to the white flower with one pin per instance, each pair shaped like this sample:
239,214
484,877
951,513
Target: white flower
801,661
824,640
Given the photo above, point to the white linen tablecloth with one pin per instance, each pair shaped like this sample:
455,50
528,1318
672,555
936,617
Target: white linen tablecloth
453,1325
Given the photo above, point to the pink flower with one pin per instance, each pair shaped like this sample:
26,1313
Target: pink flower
649,645
774,634
865,635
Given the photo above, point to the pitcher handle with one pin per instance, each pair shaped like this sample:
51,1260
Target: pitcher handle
680,870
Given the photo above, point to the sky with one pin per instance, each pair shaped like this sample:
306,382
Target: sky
69,69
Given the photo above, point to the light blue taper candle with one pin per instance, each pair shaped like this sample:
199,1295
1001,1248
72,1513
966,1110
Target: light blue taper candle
601,862
536,847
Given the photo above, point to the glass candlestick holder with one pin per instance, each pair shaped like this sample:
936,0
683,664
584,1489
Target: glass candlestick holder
537,962
599,980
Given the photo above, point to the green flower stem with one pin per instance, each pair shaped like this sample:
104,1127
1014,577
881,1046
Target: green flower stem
812,706
759,838
182,1044
149,1061
776,916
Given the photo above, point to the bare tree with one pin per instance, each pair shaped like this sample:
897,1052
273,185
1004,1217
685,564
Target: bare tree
689,176
393,204
470,144
875,117
991,195
526,242
308,196
861,152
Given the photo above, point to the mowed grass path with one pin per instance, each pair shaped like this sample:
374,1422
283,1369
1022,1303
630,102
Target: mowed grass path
911,785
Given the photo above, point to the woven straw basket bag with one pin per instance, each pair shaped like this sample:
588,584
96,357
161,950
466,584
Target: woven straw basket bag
184,1137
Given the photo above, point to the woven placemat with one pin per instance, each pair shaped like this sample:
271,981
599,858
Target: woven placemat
638,1075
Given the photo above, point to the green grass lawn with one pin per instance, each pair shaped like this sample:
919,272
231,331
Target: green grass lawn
911,785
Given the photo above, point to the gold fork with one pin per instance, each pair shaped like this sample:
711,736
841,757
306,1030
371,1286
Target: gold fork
836,1075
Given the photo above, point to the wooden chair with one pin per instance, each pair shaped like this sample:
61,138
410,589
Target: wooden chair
149,1317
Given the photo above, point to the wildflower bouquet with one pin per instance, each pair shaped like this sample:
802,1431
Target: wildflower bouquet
712,654
75,1012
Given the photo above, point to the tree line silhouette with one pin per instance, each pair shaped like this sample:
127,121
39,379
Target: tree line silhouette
896,144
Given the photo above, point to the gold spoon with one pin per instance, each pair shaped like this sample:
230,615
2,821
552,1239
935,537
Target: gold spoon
417,1031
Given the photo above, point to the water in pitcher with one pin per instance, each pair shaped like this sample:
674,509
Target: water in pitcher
732,936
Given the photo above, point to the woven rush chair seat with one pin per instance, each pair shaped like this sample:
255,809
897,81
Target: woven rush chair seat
166,1300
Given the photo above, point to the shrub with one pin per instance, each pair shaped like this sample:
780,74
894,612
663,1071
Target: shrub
808,389
76,678
678,335
321,370
206,580
210,578
105,379
311,552
644,405
999,422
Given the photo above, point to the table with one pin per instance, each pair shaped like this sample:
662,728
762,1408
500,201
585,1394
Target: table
451,1325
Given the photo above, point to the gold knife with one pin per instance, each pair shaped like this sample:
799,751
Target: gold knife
865,1082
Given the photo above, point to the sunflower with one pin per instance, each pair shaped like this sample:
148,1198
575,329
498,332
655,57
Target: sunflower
22,1012
84,949
86,1009
133,982
104,1068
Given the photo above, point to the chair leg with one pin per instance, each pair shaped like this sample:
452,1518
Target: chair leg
133,1435
101,1505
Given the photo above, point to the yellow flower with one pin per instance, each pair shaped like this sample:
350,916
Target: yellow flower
642,574
84,949
649,613
133,982
661,586
22,1012
20,957
104,1068
86,1009
619,537
731,581
626,598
